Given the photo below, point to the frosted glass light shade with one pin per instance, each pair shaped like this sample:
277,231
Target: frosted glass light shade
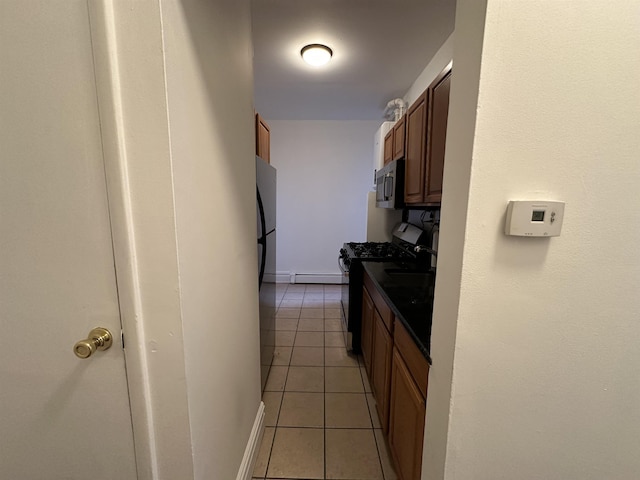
316,54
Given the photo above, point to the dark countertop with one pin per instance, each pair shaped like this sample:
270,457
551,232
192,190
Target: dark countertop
409,293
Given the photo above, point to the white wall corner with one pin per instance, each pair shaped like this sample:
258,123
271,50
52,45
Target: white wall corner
253,446
283,277
440,60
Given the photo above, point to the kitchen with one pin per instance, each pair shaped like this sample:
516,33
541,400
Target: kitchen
305,142
325,156
536,338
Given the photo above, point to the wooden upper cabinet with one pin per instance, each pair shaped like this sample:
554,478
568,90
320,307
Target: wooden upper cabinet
439,112
426,139
399,133
388,147
263,139
414,164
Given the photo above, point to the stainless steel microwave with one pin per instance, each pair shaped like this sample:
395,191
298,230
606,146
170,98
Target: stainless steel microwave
390,185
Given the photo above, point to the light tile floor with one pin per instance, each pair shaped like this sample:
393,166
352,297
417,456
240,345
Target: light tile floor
320,419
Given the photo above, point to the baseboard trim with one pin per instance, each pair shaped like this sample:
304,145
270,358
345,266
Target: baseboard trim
330,278
253,446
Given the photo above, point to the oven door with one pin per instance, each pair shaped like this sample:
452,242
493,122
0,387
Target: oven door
343,263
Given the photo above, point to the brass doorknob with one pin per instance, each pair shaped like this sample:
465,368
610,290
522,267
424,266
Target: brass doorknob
99,339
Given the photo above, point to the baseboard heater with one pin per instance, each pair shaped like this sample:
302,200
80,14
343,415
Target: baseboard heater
329,278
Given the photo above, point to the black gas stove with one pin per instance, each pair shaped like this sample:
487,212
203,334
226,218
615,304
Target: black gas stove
409,246
375,250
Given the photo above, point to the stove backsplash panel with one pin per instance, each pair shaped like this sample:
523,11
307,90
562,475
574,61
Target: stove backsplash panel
427,220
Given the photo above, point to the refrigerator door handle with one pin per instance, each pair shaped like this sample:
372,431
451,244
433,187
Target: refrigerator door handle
262,240
263,260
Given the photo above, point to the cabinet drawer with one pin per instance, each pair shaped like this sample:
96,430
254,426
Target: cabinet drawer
382,307
412,356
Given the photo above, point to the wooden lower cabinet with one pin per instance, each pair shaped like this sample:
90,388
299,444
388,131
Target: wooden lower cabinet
406,421
381,369
367,329
398,373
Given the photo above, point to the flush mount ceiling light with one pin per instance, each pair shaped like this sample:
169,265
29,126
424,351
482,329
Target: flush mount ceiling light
316,54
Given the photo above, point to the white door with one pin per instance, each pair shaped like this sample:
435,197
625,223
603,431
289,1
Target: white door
61,417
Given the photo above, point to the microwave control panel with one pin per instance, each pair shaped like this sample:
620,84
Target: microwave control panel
537,218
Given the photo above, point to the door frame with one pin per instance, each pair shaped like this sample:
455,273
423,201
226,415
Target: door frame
129,63
110,109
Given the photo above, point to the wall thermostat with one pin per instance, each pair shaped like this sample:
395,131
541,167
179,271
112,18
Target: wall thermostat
534,218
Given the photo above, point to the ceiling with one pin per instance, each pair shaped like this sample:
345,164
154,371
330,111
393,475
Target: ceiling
380,48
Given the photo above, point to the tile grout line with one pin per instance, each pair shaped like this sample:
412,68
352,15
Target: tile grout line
275,427
284,387
324,347
372,412
324,391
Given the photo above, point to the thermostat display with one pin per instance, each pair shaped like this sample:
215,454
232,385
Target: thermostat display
534,218
537,216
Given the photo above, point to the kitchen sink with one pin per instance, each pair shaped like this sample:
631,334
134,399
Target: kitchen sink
410,277
403,271
410,297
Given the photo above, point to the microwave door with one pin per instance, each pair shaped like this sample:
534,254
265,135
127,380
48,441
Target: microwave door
380,189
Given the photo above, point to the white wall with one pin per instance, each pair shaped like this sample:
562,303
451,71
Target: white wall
185,138
137,143
324,174
208,62
459,150
439,61
546,382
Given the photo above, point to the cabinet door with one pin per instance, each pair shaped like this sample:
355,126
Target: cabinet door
414,167
406,421
381,364
388,147
263,139
439,112
399,132
367,329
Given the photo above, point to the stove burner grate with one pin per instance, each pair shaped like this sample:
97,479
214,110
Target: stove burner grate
377,250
